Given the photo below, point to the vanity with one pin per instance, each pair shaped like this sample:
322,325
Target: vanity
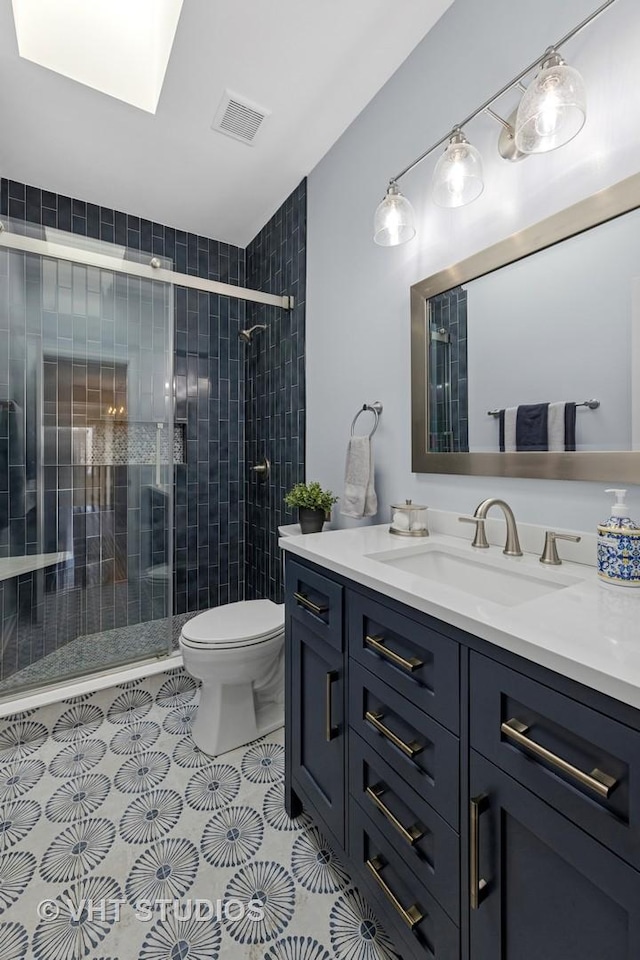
465,729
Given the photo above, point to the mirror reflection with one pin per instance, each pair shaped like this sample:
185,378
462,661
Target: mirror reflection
538,355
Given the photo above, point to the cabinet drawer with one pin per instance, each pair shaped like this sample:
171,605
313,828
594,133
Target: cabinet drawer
315,601
422,664
583,763
422,751
422,838
415,922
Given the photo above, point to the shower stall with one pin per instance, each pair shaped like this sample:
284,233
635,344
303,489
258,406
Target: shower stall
86,457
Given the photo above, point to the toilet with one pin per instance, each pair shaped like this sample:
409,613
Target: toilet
237,651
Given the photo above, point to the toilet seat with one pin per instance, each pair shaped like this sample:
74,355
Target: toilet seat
234,625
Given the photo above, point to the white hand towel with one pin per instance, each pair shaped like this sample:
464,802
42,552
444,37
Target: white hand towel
555,426
360,498
510,416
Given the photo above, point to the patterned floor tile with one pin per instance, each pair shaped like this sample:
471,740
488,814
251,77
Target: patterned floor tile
120,839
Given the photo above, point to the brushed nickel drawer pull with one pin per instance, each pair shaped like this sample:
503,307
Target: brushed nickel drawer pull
411,834
309,604
410,749
330,731
601,783
411,915
477,885
376,643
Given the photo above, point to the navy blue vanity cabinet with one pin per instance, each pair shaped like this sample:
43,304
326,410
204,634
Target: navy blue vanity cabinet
315,718
541,888
491,809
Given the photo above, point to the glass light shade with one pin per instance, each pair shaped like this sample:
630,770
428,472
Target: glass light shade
394,221
457,178
553,108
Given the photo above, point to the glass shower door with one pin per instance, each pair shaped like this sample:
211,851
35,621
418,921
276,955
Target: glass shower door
86,458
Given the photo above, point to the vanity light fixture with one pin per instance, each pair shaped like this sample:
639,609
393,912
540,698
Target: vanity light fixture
553,109
394,222
551,113
457,178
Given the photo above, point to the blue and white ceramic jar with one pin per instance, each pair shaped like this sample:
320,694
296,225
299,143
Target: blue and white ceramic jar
619,546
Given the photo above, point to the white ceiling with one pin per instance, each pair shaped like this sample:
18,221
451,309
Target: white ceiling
314,65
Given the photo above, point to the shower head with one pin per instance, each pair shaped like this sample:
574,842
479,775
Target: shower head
247,335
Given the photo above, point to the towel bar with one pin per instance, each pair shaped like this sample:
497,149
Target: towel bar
374,408
592,404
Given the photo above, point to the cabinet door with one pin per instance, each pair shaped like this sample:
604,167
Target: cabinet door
317,729
545,888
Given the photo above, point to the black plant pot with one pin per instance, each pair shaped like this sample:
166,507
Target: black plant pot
311,521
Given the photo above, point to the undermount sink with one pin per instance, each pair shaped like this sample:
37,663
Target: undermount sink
485,576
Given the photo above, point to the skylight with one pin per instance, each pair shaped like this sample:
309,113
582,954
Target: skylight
119,47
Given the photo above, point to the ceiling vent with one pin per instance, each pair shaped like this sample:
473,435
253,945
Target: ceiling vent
239,118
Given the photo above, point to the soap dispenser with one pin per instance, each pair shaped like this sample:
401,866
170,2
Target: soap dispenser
619,546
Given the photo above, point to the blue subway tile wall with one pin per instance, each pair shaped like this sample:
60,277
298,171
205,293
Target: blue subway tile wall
209,392
275,390
449,416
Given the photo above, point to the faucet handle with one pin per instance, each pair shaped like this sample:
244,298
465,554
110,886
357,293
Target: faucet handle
480,538
550,552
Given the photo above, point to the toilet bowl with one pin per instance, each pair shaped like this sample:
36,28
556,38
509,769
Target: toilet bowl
237,651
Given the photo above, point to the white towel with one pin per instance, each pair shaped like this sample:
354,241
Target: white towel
555,426
360,498
510,416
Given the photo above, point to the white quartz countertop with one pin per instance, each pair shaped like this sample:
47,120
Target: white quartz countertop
16,566
589,631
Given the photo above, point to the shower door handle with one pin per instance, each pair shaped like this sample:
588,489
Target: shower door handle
262,470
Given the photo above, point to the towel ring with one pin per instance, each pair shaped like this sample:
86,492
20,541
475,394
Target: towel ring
375,409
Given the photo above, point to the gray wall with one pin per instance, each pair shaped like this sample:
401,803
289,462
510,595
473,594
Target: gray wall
358,346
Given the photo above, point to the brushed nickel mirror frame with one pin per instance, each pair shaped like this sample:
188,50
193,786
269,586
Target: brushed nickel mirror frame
620,466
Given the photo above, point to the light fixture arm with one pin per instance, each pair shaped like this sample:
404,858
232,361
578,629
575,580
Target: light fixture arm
508,86
496,116
507,140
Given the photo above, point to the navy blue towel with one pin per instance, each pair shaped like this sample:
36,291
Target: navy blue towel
532,427
570,426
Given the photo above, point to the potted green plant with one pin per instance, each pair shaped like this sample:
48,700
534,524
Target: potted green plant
313,504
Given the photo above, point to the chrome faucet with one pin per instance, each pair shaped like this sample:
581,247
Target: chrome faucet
512,546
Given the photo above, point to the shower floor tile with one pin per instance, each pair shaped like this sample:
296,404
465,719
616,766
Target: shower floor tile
94,652
107,809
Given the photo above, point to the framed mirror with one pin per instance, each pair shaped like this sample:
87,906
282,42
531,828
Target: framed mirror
525,358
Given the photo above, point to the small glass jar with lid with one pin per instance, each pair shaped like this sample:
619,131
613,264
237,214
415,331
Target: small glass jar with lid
409,519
